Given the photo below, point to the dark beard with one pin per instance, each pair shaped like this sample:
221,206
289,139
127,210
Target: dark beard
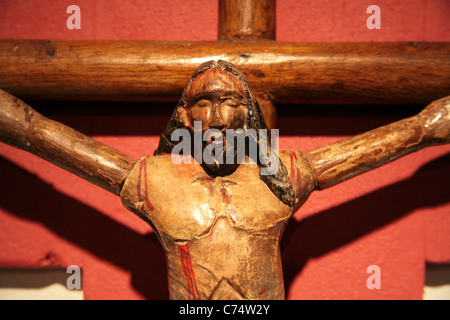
219,151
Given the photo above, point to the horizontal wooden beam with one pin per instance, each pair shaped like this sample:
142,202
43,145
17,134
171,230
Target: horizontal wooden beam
403,73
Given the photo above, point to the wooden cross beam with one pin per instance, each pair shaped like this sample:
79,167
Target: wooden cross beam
396,72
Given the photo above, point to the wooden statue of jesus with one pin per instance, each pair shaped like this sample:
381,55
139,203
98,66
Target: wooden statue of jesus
219,222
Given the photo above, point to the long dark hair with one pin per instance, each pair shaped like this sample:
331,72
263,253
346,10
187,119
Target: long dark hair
278,182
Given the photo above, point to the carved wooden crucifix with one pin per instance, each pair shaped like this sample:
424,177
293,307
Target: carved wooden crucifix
220,224
221,229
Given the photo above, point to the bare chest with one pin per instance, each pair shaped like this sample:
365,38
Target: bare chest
184,203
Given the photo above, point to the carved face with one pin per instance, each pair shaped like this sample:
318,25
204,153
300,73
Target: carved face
218,95
217,99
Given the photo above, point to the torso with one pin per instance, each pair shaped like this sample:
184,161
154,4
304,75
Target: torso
221,235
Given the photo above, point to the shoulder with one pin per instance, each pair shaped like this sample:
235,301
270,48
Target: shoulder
300,171
150,172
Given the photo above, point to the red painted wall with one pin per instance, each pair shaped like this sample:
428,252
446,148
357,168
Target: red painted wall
396,217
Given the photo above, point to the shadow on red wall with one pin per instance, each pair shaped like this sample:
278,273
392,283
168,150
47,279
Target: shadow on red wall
28,197
317,235
109,240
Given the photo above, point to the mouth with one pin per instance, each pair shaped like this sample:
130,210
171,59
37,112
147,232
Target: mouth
217,146
220,164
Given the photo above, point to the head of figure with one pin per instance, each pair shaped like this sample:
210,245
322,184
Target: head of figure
218,102
216,98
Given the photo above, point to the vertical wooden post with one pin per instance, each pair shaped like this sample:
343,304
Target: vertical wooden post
250,20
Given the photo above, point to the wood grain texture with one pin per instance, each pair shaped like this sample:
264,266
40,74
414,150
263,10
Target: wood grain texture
346,159
250,20
246,20
24,128
406,73
268,110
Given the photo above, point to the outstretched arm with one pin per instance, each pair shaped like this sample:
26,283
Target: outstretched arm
24,128
346,159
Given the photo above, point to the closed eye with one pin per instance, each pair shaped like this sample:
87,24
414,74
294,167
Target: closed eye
203,103
231,102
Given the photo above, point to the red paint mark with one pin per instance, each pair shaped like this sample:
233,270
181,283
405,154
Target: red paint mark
143,172
190,91
295,171
205,83
188,271
238,84
263,290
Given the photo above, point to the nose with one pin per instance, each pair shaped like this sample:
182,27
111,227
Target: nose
217,121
